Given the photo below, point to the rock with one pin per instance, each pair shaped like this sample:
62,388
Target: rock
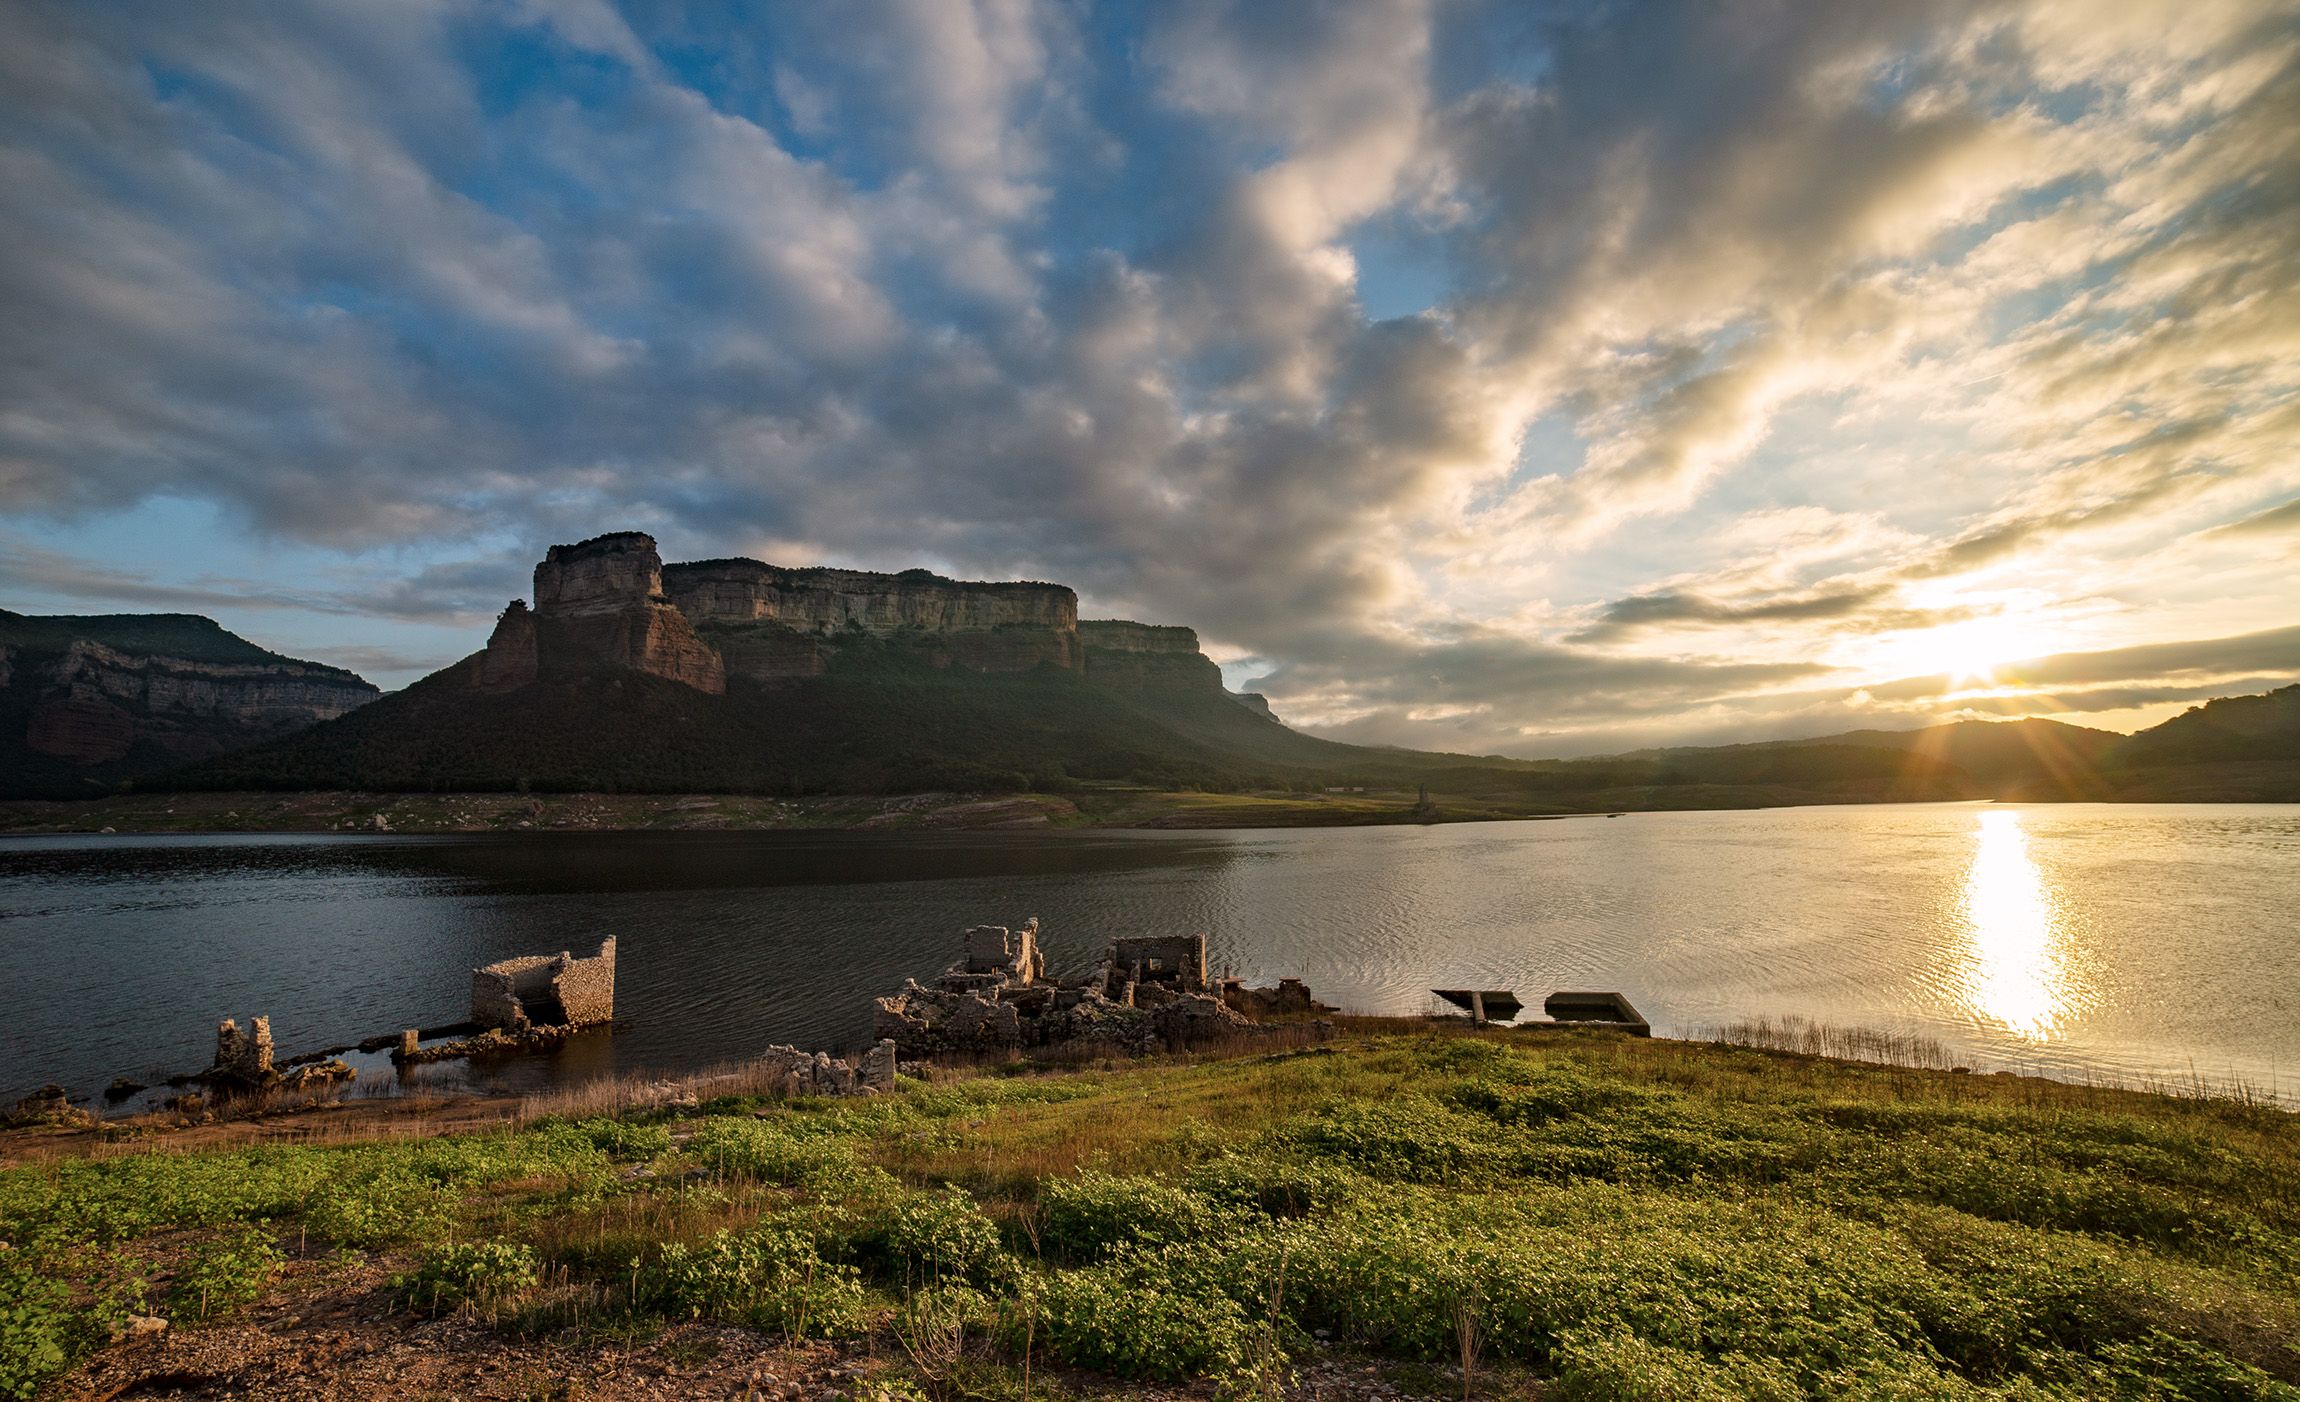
317,1075
121,1088
50,1105
600,601
1136,657
775,621
144,691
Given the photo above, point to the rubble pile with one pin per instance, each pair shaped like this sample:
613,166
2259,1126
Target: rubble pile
1147,995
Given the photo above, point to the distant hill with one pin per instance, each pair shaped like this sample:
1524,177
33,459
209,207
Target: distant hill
2233,728
89,702
732,675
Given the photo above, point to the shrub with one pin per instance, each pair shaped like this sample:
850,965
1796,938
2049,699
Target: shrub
1139,1316
1275,1185
623,1141
1411,1138
770,1276
42,1330
940,1235
766,1151
223,1276
1091,1213
379,1208
477,1271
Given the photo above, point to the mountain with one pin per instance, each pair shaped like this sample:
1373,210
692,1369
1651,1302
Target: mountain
87,702
735,675
728,675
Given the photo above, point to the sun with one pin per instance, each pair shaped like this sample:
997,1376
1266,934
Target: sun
1968,652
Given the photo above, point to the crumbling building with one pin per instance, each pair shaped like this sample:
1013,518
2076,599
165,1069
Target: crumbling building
1148,994
546,990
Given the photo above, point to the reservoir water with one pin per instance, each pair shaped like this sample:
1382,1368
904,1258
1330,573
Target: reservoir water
2125,942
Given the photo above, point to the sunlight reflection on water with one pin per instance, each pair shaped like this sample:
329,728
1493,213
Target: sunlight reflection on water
2017,960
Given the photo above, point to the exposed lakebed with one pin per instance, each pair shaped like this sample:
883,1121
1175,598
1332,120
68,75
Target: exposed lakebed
2126,941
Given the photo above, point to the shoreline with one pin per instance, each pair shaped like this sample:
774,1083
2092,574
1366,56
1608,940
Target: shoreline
358,812
344,1114
1112,808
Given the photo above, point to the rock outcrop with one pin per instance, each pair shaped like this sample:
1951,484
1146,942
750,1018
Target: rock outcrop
114,696
603,599
771,621
1130,657
612,601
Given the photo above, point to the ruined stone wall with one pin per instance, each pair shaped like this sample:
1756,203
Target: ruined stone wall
819,1073
1179,960
512,992
586,987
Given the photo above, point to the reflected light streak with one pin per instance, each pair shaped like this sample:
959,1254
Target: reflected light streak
2016,968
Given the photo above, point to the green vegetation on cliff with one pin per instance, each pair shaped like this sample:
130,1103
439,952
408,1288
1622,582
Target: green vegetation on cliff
1580,1216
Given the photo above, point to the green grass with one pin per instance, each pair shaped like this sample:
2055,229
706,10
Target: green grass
1619,1218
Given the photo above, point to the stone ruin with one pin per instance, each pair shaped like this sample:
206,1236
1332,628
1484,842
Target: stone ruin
545,990
1147,995
819,1073
243,1063
243,1056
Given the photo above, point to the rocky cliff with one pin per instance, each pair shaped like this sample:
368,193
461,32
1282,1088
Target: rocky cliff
1134,657
612,600
773,621
600,601
88,701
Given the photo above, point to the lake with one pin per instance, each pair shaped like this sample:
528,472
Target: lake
2130,942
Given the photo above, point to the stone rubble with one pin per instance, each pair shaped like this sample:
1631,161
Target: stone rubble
1148,995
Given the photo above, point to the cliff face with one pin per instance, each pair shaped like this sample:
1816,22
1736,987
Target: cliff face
88,701
600,601
770,621
1145,657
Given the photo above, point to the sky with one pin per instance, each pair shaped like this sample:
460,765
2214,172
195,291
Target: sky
1523,378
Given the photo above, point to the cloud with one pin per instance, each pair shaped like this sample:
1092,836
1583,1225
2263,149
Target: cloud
1764,329
2276,520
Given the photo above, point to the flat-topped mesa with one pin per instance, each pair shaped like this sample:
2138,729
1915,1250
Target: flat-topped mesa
776,621
600,600
1126,656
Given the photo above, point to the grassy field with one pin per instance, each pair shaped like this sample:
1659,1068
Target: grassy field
1555,1214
